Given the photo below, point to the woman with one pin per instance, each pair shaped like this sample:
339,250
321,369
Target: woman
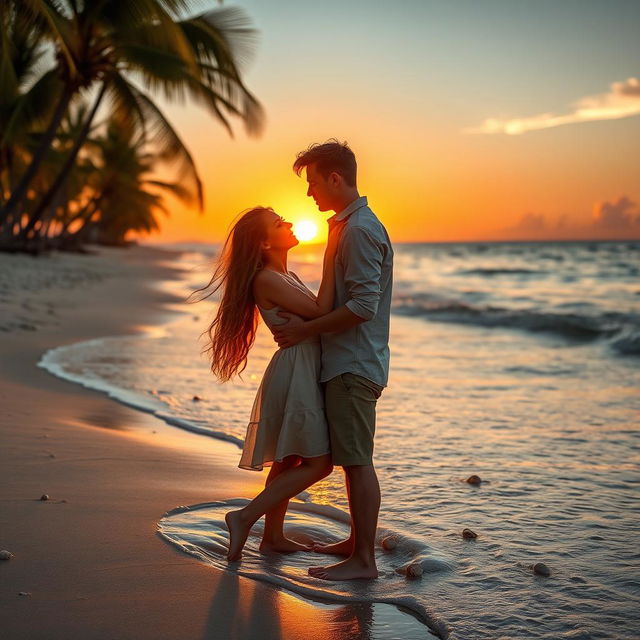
287,429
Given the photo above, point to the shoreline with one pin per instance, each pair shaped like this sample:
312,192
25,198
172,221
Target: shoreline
90,557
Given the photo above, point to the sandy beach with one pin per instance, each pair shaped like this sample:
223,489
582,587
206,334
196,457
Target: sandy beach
89,558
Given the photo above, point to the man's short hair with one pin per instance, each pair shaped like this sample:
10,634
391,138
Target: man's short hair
330,157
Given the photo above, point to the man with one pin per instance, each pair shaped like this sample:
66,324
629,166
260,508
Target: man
355,345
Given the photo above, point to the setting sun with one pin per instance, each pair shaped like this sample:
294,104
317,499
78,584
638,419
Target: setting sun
305,230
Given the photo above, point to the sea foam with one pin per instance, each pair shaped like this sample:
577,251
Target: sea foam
200,530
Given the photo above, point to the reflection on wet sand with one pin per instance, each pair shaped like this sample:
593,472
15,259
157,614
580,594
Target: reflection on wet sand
238,602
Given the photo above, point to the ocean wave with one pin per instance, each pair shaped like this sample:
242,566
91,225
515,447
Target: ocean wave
498,272
56,362
622,329
200,531
627,343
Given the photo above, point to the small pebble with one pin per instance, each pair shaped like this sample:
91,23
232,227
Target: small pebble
475,480
414,570
389,543
5,555
196,398
24,593
44,496
541,569
467,534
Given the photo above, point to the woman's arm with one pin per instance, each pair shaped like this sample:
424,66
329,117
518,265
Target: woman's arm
270,289
273,289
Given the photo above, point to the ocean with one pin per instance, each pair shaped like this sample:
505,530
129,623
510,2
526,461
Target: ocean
515,362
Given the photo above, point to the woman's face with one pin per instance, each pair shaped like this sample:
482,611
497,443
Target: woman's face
279,234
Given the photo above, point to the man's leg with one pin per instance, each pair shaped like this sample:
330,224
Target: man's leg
350,402
364,504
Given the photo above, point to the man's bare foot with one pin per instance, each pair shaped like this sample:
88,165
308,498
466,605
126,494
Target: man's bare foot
342,548
238,534
350,569
283,545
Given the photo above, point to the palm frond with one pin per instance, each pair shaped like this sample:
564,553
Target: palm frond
176,189
33,108
169,144
48,17
126,107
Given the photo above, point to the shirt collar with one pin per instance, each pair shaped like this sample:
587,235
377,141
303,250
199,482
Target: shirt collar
348,210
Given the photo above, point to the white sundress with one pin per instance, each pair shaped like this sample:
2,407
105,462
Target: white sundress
288,416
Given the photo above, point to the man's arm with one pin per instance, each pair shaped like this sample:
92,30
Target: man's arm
296,330
362,259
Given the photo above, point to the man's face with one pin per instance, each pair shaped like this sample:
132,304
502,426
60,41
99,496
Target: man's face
319,188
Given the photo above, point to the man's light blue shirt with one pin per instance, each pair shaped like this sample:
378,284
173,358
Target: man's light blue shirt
364,277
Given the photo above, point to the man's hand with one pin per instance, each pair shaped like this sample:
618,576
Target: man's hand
291,333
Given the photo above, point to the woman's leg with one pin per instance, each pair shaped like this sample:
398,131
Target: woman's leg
282,487
273,538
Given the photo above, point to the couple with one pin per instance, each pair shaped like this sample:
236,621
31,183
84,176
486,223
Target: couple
315,407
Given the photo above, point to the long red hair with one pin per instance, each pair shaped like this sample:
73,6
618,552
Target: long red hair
233,330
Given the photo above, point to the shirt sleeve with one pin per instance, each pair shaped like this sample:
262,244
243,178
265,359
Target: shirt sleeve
362,261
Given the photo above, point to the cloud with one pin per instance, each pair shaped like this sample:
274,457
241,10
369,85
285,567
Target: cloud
621,101
629,88
619,218
531,222
621,215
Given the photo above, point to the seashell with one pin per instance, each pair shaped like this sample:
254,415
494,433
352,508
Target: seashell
541,569
389,543
474,480
467,534
44,496
5,555
414,570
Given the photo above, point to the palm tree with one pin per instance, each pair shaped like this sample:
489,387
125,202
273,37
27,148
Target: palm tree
126,197
118,44
80,183
25,104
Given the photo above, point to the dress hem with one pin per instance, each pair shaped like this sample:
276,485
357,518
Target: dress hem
268,463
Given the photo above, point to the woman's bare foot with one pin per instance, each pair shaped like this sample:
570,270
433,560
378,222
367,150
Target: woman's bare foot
342,548
282,545
350,569
238,534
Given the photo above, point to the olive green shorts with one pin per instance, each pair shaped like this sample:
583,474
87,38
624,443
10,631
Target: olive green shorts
350,403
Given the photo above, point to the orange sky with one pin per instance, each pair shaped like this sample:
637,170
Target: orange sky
428,130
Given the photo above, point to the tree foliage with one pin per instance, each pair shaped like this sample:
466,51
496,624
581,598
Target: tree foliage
65,177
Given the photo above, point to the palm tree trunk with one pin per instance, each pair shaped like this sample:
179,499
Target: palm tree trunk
87,211
66,168
21,188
